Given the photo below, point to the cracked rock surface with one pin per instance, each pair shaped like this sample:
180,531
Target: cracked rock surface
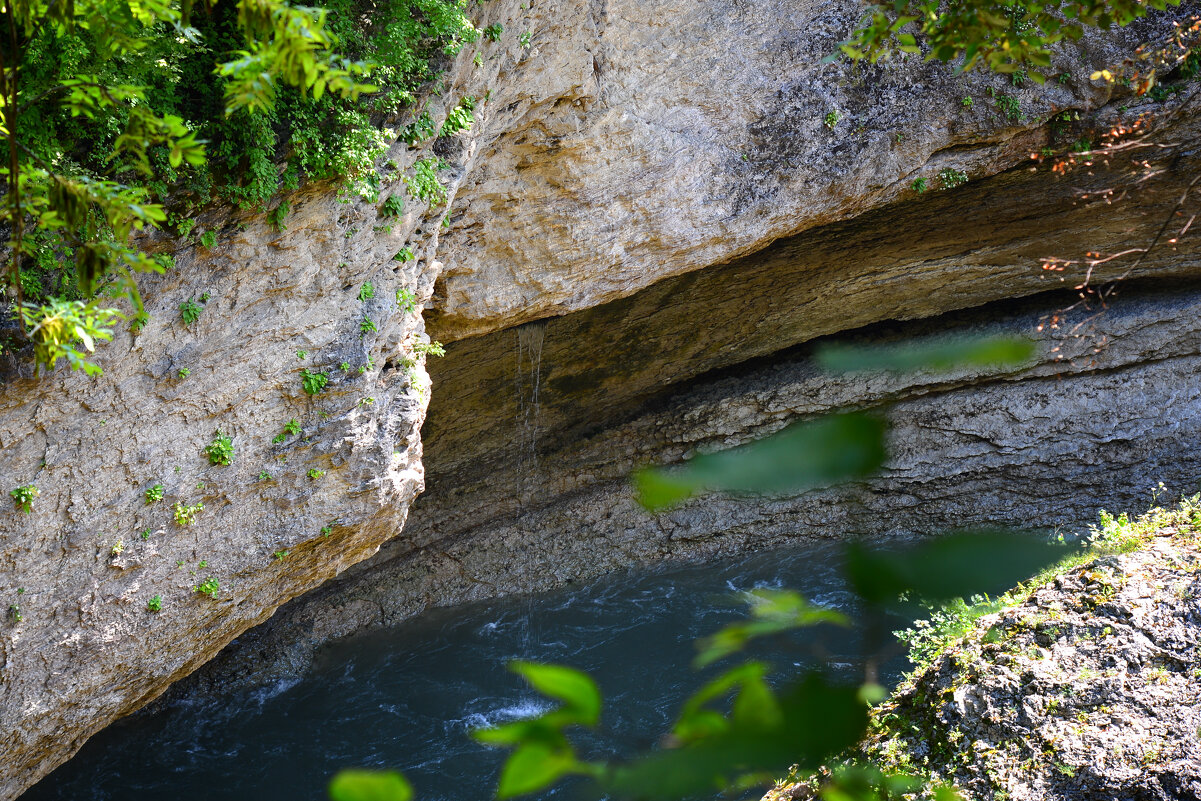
1088,690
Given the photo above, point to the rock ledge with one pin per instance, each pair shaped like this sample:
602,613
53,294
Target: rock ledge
1089,689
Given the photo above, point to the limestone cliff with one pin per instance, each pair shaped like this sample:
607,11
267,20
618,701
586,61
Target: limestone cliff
660,175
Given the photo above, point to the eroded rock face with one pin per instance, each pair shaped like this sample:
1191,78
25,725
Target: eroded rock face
644,139
278,521
1087,690
630,146
1084,428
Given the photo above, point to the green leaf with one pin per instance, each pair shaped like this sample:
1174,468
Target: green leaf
774,612
802,456
545,729
951,566
369,785
817,720
574,688
532,767
944,354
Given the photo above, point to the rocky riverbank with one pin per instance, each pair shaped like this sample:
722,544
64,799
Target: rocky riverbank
1086,687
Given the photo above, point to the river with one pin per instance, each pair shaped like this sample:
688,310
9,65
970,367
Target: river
406,697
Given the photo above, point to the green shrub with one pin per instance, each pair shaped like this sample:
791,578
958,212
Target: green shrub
418,130
209,587
431,348
23,497
460,118
312,382
220,450
154,494
393,206
190,311
424,184
186,515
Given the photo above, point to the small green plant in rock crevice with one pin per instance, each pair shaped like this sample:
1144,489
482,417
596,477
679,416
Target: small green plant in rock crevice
919,185
417,130
424,185
155,604
23,497
190,311
184,372
393,206
1009,106
312,382
221,449
461,117
209,239
492,32
406,301
315,474
210,587
432,348
186,515
366,326
404,254
367,291
276,217
950,178
831,120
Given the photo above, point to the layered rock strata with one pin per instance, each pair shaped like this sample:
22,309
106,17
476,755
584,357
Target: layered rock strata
1108,413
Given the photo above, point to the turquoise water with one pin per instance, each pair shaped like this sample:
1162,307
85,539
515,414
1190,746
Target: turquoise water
407,697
